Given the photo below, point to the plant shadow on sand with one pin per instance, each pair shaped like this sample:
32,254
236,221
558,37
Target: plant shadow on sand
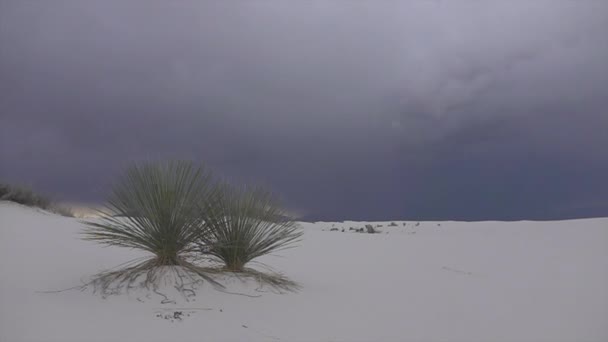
181,283
176,288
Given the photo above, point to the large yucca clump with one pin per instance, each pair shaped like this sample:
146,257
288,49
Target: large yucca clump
156,207
243,224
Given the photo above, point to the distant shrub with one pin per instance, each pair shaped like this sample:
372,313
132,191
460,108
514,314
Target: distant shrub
61,210
27,197
23,196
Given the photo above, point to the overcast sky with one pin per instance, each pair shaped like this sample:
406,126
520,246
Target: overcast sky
374,110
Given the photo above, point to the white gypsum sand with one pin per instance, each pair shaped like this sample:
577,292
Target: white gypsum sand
435,281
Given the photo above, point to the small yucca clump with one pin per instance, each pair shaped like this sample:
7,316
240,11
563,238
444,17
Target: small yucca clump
243,224
156,207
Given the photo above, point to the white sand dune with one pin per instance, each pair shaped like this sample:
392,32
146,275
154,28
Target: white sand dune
483,281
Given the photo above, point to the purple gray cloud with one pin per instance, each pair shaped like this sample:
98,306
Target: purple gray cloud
350,110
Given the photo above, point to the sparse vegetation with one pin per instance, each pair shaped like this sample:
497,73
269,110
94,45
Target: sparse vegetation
177,213
25,196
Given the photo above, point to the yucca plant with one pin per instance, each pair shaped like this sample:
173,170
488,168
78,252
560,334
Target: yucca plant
243,224
157,208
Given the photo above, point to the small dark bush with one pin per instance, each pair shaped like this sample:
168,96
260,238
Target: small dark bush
27,197
23,196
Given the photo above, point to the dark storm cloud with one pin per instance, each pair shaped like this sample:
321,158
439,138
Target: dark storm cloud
360,110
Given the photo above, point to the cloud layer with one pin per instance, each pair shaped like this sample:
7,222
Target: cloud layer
358,110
